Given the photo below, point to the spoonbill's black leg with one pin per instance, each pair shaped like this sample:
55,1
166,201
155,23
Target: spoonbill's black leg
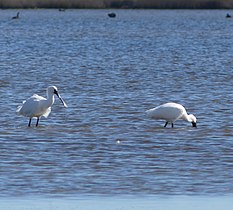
165,124
37,122
29,124
172,125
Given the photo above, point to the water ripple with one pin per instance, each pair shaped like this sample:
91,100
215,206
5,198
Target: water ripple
110,72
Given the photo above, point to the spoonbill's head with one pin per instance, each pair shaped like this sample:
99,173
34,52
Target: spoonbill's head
193,120
53,90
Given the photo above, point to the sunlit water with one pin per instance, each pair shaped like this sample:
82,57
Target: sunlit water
110,71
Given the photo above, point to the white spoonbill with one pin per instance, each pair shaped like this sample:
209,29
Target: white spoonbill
37,106
171,112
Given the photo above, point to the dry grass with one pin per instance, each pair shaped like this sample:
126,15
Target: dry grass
156,4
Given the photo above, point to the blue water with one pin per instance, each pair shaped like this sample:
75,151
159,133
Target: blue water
110,71
177,203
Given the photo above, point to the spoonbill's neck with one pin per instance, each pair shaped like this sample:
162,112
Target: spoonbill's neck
187,117
50,99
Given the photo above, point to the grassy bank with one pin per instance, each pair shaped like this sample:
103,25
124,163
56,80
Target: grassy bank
145,4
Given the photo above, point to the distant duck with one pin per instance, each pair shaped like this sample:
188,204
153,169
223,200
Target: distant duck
62,10
171,112
112,15
16,17
228,15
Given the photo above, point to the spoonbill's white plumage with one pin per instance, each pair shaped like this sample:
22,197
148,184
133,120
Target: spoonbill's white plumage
171,112
37,106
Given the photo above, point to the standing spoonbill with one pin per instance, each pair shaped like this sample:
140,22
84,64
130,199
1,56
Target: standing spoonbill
171,112
37,106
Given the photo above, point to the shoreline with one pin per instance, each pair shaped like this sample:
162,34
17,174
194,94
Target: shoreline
118,4
115,9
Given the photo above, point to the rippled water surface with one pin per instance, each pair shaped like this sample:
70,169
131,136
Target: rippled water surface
110,71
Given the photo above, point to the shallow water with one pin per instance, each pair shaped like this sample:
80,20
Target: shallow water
109,72
126,203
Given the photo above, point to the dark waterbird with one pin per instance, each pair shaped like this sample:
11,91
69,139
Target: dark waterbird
62,10
112,15
16,17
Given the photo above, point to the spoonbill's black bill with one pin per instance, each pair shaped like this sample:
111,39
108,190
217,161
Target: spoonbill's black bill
63,102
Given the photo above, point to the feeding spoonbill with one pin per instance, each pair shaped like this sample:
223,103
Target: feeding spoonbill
171,112
37,106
